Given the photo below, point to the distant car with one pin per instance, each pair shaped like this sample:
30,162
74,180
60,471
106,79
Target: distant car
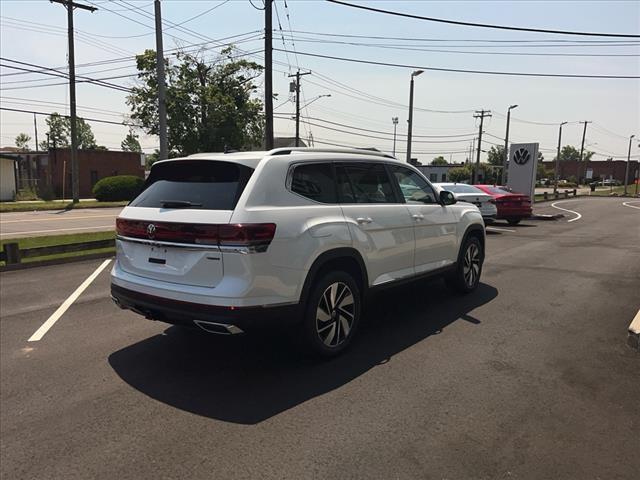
512,206
470,194
610,182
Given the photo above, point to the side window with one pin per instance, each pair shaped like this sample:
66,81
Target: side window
364,183
314,181
414,188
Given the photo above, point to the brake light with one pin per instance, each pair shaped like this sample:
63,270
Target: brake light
249,234
237,235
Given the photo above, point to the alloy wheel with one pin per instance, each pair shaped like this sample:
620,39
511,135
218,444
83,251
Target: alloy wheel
335,314
471,265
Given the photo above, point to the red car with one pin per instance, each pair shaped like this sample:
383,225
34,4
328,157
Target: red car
512,207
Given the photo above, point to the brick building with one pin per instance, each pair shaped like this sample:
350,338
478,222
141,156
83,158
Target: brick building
38,170
602,169
93,165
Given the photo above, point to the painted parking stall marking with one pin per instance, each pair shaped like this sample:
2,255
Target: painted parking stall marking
497,229
578,215
44,328
626,204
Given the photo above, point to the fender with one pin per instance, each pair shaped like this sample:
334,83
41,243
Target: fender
328,256
474,227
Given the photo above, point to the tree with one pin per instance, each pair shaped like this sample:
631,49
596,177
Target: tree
22,141
210,105
439,161
460,174
60,133
131,143
570,153
495,156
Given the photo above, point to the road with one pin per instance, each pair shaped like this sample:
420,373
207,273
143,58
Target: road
39,223
529,377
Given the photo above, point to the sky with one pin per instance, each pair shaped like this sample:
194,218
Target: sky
364,97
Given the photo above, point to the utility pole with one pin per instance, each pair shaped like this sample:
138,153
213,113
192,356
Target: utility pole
626,170
35,128
75,183
506,145
268,76
481,114
410,121
584,134
298,75
394,120
162,100
555,185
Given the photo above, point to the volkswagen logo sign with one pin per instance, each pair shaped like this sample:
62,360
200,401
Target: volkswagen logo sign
151,230
521,156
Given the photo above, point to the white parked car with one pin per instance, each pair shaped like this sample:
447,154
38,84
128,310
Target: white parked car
238,241
468,193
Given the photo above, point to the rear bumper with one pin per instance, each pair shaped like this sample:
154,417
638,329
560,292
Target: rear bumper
212,318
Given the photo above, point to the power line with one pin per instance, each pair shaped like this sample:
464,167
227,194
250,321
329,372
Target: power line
463,52
482,25
459,70
34,112
560,42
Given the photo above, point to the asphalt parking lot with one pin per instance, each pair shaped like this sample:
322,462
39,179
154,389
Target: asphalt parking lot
528,377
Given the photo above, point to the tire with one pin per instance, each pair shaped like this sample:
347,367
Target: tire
466,276
513,221
333,307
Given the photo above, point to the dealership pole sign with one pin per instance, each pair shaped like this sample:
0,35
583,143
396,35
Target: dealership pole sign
523,165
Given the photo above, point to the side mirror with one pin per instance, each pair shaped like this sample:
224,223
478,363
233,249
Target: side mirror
447,198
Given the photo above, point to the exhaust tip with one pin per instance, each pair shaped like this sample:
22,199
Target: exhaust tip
218,328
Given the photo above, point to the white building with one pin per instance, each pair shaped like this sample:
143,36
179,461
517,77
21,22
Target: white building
7,178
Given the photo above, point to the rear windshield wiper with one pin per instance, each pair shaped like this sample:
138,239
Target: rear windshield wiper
178,204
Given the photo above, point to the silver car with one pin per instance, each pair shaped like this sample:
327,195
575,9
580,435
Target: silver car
470,194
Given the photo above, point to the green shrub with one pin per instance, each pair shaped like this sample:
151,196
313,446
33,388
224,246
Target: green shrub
122,187
26,194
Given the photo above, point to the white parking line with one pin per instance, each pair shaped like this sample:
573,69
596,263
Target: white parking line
57,230
67,303
578,217
496,229
626,204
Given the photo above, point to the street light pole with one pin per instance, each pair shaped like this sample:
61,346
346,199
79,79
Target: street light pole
506,145
555,185
413,74
626,170
394,120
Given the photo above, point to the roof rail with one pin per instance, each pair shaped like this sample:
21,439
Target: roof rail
357,151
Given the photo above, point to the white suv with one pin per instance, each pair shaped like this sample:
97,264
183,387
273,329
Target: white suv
231,242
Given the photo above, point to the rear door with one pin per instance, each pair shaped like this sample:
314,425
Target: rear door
380,225
434,224
171,231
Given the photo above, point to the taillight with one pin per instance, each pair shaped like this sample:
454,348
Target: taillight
231,235
247,234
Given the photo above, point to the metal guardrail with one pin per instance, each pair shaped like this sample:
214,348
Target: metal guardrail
12,254
557,194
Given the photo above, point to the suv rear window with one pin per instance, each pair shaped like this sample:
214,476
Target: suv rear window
200,184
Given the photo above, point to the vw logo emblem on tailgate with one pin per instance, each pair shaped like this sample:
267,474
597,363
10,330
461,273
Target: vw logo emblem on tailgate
151,230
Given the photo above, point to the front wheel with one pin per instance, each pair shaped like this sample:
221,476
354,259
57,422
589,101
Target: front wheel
466,276
332,314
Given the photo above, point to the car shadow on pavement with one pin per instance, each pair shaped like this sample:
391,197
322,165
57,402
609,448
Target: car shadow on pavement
250,378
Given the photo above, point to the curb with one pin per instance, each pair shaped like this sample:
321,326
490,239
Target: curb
55,261
634,332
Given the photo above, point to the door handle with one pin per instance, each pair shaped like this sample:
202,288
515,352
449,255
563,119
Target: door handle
362,220
417,217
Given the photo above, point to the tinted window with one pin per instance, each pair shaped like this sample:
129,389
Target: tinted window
204,184
414,187
364,183
498,190
314,181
